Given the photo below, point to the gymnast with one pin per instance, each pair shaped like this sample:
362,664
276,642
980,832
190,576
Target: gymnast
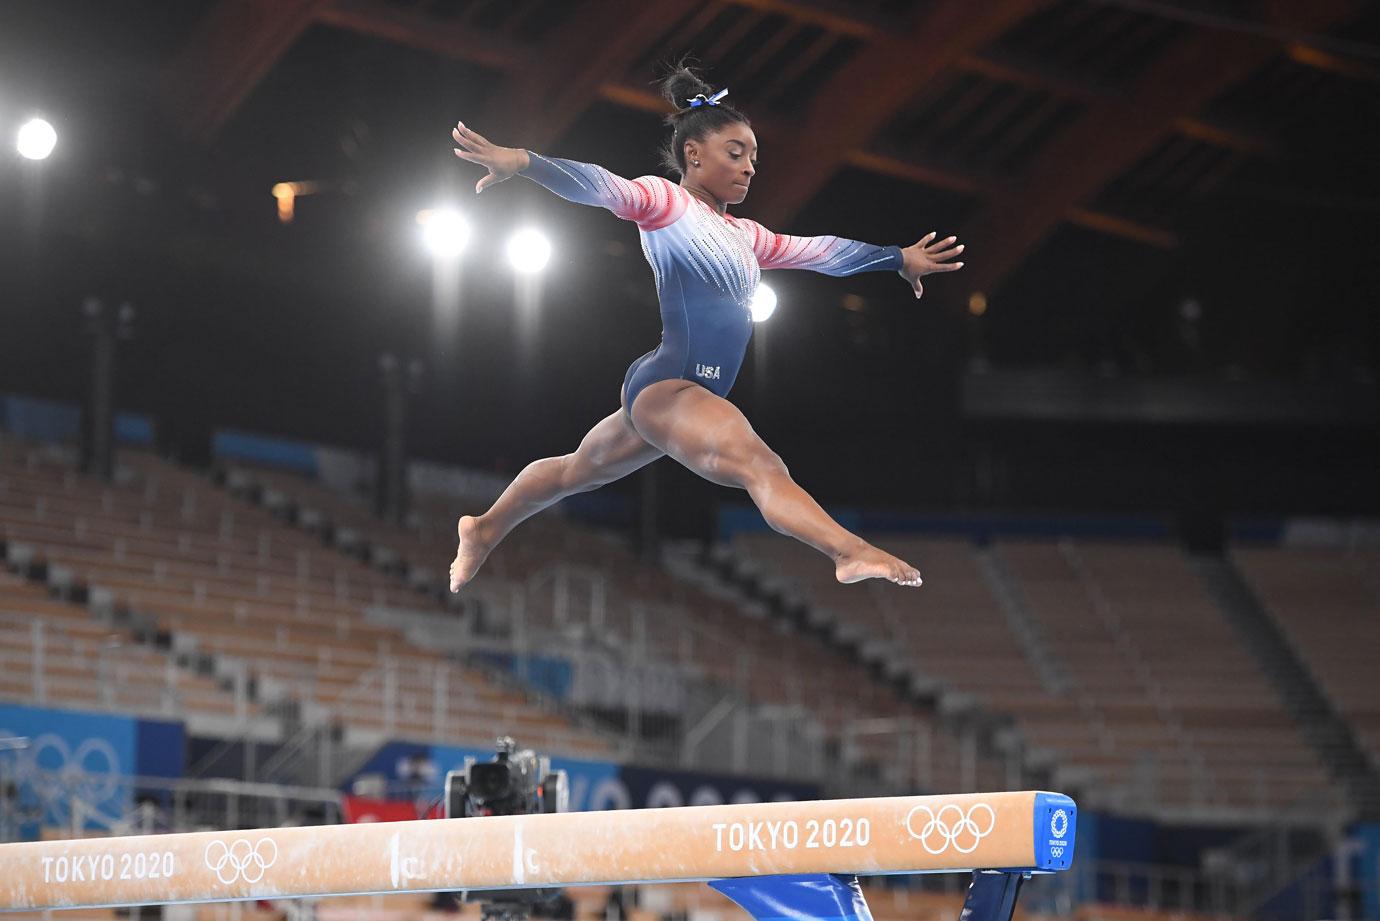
706,265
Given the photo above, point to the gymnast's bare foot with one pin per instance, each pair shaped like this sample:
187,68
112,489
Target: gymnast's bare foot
867,562
472,553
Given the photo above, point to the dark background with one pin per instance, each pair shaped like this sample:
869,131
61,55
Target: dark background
246,322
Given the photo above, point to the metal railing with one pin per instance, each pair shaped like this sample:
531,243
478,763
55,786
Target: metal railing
132,805
105,671
714,712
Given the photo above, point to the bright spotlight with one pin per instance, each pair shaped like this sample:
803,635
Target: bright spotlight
36,139
529,251
763,303
444,232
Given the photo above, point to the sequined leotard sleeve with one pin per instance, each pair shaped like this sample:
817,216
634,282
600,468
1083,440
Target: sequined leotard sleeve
830,255
647,201
707,266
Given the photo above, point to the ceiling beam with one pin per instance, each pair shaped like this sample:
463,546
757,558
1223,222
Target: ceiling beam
596,80
833,17
1304,44
1034,78
1327,61
911,170
603,39
1111,136
849,110
231,50
1228,137
417,30
993,190
1201,128
1127,229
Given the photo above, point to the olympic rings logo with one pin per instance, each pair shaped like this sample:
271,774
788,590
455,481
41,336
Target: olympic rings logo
951,827
1059,823
240,860
57,773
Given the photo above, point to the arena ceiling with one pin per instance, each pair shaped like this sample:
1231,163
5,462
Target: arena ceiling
1106,162
1106,114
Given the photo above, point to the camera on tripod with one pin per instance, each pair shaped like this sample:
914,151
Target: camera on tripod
513,783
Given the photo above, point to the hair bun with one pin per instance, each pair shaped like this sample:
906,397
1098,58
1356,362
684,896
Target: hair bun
682,83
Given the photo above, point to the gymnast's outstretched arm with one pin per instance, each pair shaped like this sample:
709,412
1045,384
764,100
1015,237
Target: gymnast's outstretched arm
838,256
647,200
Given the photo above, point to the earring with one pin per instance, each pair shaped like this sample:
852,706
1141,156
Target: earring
695,162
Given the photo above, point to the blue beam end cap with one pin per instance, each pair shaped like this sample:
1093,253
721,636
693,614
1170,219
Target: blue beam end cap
1056,826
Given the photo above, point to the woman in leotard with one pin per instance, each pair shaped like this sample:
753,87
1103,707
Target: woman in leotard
706,264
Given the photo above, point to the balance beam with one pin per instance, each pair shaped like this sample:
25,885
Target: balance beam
1015,832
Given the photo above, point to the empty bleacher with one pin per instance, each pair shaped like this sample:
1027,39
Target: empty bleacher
1136,679
643,609
53,651
216,577
1327,600
1180,698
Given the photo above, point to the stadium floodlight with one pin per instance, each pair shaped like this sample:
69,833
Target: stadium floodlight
529,251
444,232
36,139
763,303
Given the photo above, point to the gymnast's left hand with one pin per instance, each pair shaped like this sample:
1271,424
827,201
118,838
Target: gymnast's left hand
502,162
928,256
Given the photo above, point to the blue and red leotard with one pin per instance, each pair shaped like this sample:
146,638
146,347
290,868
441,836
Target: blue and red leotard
706,264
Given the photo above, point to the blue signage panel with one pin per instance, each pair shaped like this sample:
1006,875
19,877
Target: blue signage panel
73,762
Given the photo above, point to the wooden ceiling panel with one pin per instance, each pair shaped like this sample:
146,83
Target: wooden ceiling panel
756,59
999,87
857,103
1111,136
234,46
603,38
645,65
806,87
812,44
1122,58
1038,36
1037,124
1154,190
949,120
985,142
455,38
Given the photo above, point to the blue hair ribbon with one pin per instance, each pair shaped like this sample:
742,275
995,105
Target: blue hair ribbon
701,100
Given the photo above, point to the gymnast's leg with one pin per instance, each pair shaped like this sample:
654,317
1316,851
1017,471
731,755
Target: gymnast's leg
612,449
710,436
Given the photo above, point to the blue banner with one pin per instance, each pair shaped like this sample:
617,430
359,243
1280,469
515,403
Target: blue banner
57,422
76,765
1367,868
284,453
545,673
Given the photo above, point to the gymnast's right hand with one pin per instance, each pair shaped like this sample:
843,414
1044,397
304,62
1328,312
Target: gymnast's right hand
502,162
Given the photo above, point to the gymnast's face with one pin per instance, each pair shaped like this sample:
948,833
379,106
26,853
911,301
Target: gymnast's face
727,162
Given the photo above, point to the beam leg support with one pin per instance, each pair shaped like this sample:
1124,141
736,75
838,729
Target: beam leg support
991,896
